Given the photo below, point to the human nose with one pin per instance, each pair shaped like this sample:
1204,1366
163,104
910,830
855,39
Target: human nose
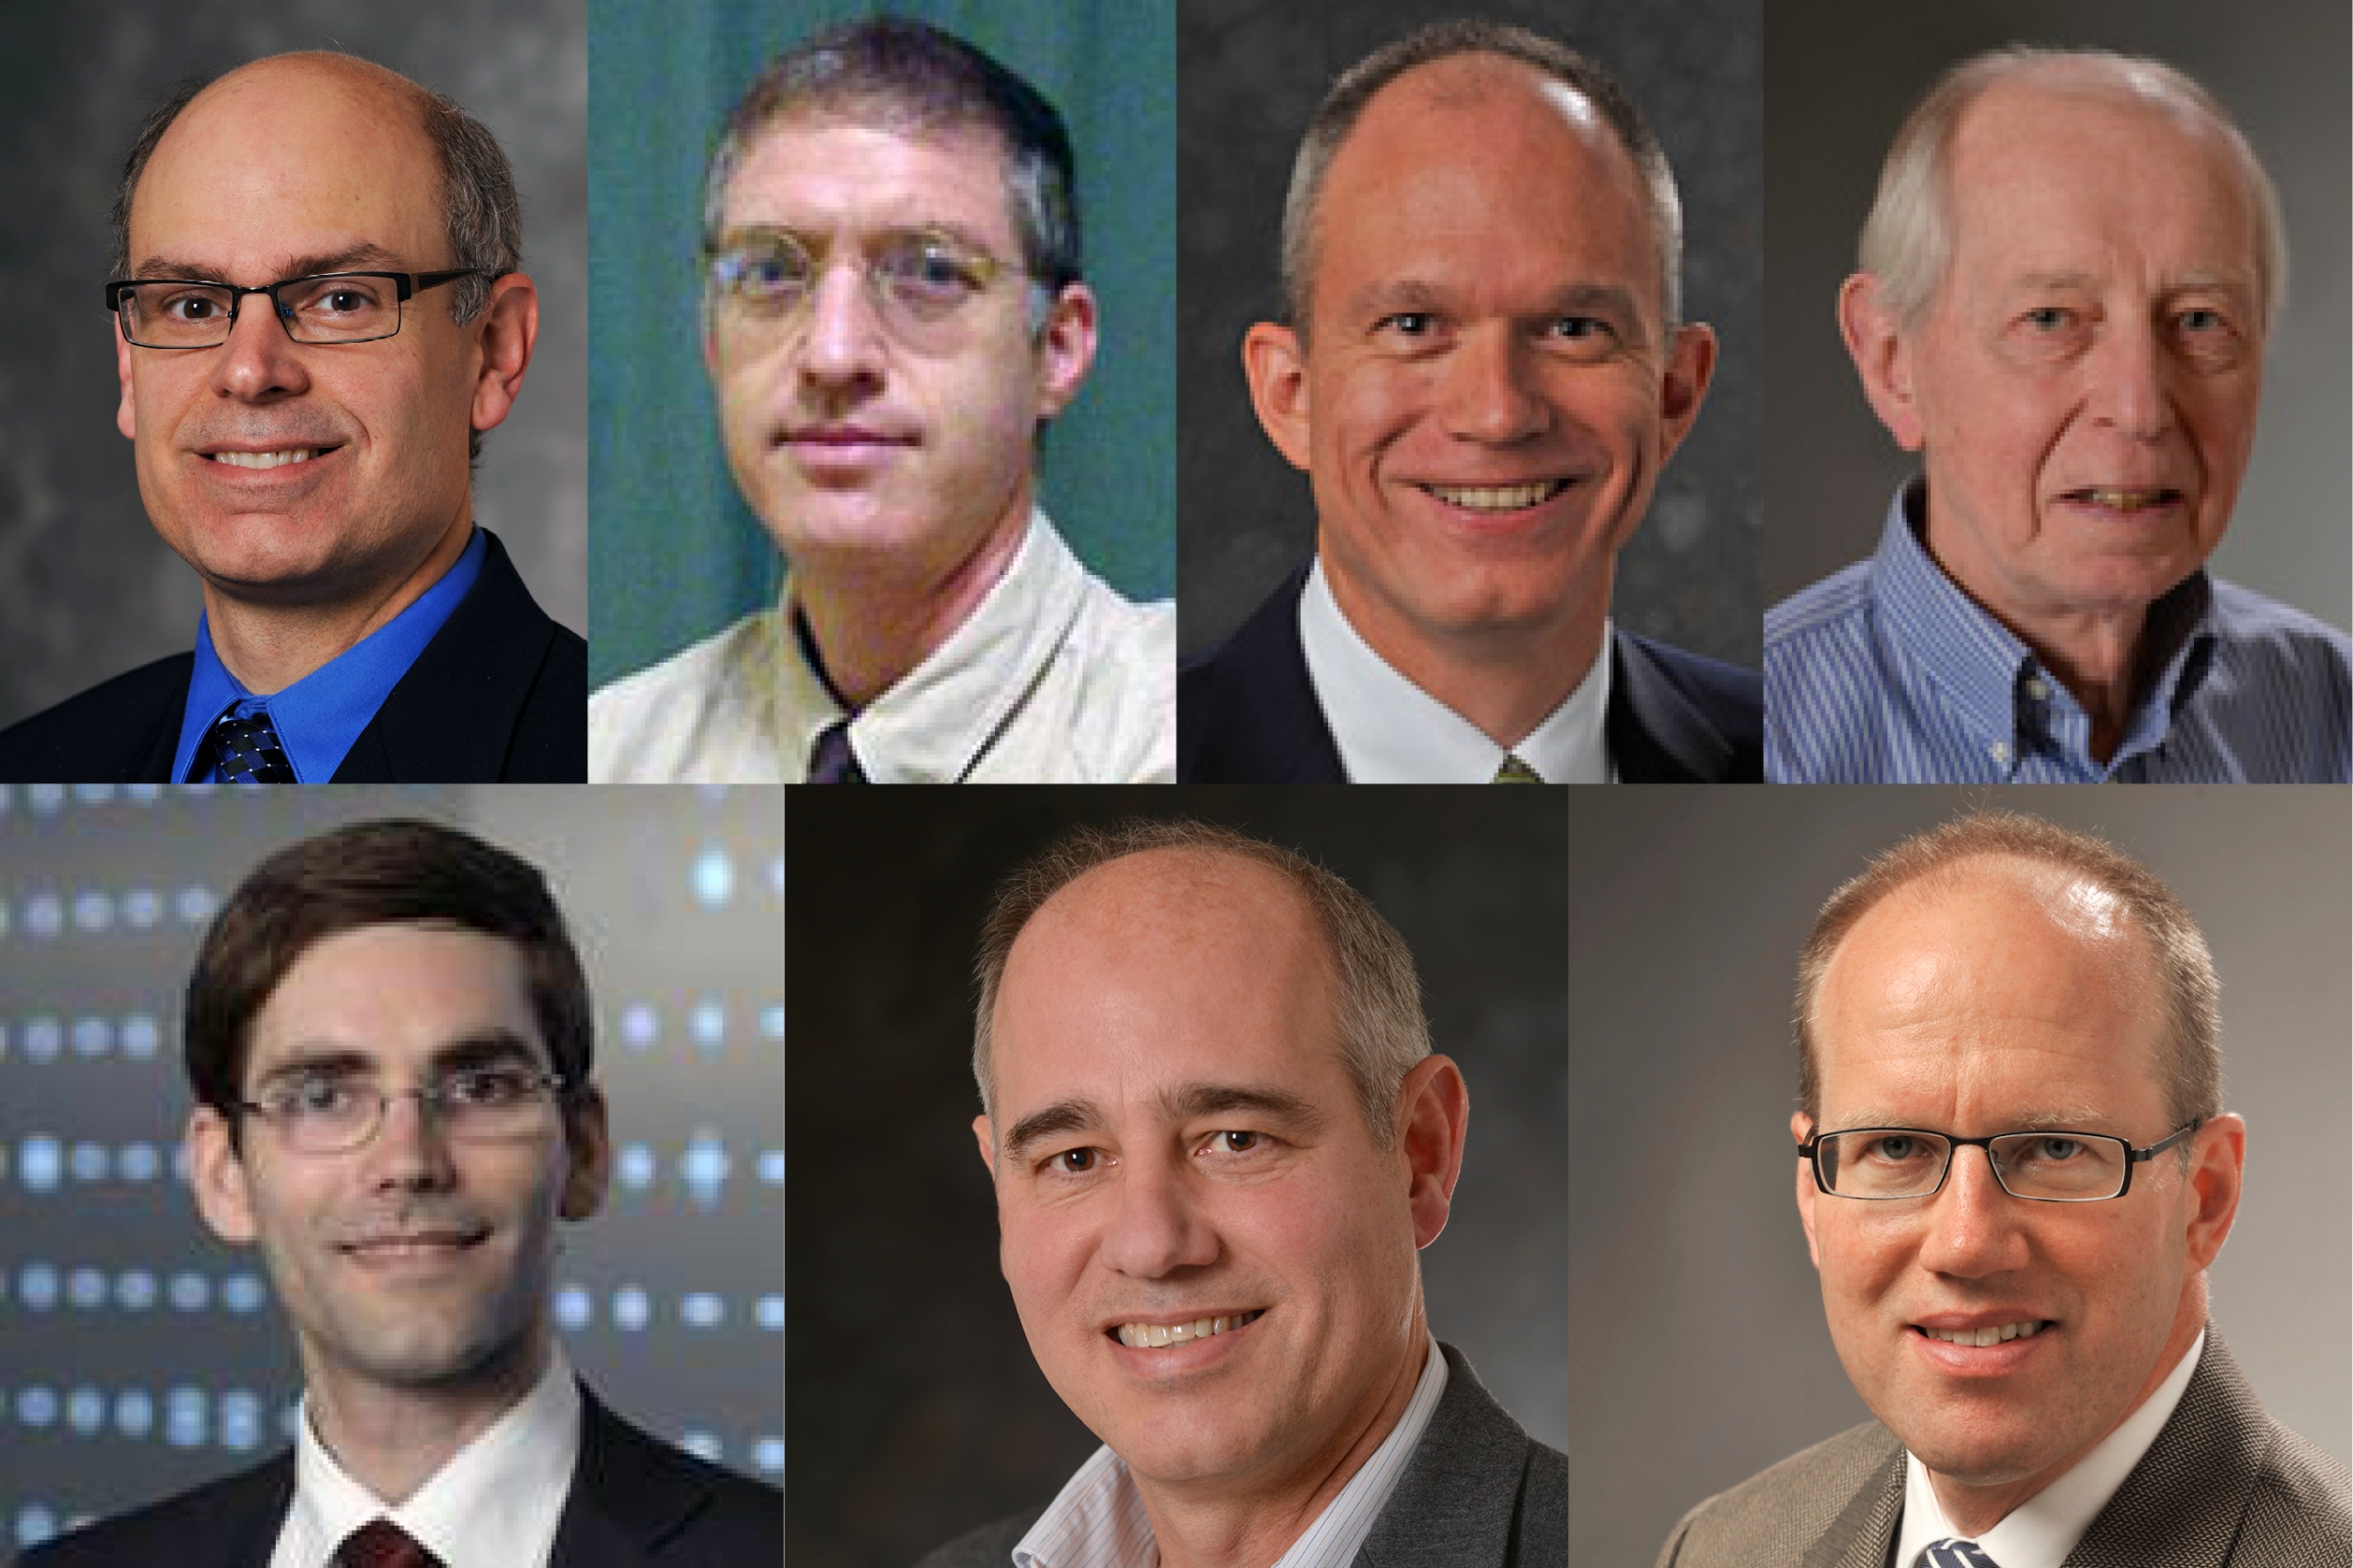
2130,389
410,1148
1973,1224
1490,394
1158,1227
260,361
841,343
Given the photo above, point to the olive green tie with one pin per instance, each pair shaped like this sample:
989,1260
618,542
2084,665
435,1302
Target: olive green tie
1514,771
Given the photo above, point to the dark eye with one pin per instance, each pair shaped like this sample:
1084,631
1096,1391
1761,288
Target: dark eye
192,307
1894,1148
2055,1151
1575,327
1234,1141
772,271
312,1094
929,273
487,1088
1076,1161
2047,318
1410,324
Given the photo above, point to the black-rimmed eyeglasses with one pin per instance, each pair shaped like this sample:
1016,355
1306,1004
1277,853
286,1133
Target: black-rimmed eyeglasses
2054,1166
330,306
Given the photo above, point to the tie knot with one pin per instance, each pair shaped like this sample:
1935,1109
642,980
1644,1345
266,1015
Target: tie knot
246,750
1514,771
831,761
1955,1553
381,1544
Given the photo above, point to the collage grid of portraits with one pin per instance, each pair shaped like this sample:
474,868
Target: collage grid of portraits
1298,472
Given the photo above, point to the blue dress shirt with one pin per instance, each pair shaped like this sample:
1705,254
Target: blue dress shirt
320,716
1887,673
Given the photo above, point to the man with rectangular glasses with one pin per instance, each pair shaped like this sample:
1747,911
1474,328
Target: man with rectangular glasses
318,311
2013,1171
893,308
392,1044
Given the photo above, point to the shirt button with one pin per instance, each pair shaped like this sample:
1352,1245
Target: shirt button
1999,750
2038,689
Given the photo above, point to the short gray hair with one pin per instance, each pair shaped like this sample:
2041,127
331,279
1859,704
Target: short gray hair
1907,240
2190,1056
480,215
1376,991
1337,116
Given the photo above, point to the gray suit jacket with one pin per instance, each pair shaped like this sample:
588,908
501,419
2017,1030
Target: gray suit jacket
1479,1493
2223,1483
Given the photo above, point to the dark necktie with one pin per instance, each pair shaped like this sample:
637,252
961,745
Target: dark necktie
831,761
1952,1553
246,751
381,1544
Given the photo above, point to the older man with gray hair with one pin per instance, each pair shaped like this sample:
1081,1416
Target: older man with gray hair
2067,282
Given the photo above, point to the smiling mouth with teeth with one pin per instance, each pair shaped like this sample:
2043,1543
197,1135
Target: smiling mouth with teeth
1153,1336
267,460
1992,1334
1497,497
2128,501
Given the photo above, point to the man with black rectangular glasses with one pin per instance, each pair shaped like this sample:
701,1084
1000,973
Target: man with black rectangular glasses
2013,1171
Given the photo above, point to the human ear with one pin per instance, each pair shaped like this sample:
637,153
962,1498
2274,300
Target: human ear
588,1139
126,412
1801,1128
1065,349
987,1138
1883,357
1690,365
2218,1162
506,329
216,1176
1432,1122
1274,362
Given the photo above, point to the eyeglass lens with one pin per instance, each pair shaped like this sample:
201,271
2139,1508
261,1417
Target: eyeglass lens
334,309
2065,1167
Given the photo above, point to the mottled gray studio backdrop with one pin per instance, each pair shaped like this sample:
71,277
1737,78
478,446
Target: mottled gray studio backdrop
1249,75
1699,1353
87,589
914,1410
1832,468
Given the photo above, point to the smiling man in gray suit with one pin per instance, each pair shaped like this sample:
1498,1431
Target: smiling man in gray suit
1219,1141
2013,1171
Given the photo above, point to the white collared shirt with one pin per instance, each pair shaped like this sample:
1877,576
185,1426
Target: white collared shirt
1097,1519
2041,1531
1391,731
495,1505
1053,678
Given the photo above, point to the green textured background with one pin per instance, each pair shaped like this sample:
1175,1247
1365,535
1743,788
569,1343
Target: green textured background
673,554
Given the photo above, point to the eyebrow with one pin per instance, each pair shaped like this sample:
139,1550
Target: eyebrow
1398,294
2081,1118
370,257
1184,1103
492,1046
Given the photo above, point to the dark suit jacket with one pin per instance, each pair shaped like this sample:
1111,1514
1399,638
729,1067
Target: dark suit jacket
499,696
1248,714
2223,1483
1479,1493
634,1503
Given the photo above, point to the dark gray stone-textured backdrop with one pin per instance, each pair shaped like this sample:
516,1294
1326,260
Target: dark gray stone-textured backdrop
87,589
1250,74
914,1410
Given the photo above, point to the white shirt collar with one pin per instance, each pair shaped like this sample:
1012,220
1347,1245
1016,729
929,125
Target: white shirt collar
1391,731
495,1505
2041,1531
1097,1520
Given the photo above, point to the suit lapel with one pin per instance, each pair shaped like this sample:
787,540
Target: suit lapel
630,1495
1655,735
2183,1504
1864,1533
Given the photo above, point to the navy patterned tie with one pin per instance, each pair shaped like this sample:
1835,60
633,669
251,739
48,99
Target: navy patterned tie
246,751
381,1544
1953,1553
831,761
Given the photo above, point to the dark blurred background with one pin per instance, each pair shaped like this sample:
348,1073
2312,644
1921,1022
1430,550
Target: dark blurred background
1829,117
914,1410
1250,76
1699,1354
87,589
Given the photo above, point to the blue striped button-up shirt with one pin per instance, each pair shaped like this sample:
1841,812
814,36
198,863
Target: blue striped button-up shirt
1887,673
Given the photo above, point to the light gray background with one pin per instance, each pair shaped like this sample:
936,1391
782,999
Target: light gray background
1843,73
1698,1351
914,1410
1250,76
87,589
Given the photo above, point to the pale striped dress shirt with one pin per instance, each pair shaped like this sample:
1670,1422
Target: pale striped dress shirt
1887,673
1097,1519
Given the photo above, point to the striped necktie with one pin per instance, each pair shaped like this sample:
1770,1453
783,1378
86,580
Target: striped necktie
1954,1553
1514,771
381,1544
246,751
